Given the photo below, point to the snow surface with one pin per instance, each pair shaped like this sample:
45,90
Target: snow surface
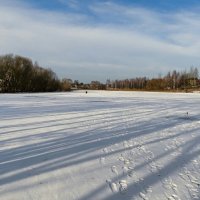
99,146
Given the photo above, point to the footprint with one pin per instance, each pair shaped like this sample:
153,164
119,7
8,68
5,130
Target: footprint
114,169
121,158
128,171
167,182
102,160
112,185
150,155
174,187
143,196
168,197
123,186
196,182
126,161
149,189
153,167
184,177
193,179
195,163
125,170
176,197
130,144
131,173
132,153
172,197
105,150
125,144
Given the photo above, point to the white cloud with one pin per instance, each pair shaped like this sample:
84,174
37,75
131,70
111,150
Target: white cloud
146,44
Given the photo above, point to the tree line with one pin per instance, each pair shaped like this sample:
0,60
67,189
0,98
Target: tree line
20,74
173,80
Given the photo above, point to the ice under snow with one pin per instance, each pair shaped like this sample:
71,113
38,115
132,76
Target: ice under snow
101,145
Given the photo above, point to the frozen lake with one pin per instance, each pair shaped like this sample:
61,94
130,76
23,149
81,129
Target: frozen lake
100,146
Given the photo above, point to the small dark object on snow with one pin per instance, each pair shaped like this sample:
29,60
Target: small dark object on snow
86,92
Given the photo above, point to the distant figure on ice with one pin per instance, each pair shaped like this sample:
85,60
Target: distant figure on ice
86,92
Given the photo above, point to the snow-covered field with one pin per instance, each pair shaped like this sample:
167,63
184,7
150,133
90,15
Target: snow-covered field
99,146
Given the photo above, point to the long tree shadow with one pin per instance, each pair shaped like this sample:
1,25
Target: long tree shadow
67,150
61,148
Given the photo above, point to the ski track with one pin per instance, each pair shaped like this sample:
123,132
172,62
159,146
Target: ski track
101,145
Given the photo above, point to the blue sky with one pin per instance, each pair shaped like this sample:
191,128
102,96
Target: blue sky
161,5
99,39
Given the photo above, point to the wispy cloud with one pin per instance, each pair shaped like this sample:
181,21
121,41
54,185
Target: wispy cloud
74,4
114,41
